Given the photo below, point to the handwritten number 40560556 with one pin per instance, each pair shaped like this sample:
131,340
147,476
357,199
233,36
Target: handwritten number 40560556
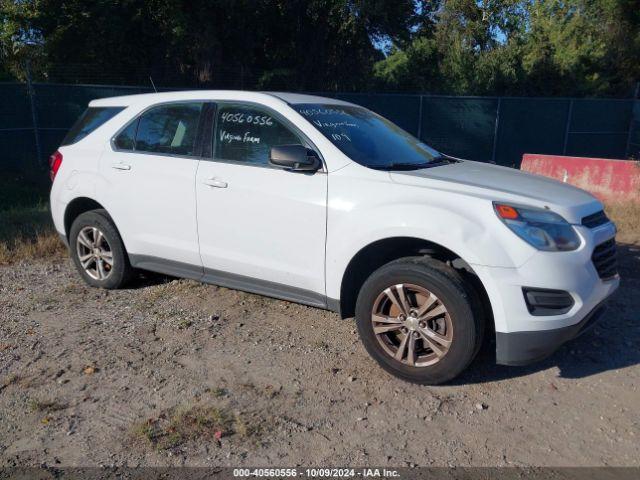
232,117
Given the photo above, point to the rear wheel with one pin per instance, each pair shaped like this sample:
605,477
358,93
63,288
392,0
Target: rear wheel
98,252
416,318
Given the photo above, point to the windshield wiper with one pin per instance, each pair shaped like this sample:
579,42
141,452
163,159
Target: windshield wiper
442,160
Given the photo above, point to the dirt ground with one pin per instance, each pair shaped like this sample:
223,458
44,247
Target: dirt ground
171,372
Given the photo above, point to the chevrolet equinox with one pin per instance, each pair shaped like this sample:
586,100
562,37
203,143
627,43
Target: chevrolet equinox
325,203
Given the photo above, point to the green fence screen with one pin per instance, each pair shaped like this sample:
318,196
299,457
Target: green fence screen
17,139
530,125
462,127
488,129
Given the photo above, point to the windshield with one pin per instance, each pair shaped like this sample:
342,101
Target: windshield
368,138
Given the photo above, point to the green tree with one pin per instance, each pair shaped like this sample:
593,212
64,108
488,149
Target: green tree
19,43
512,47
310,44
521,47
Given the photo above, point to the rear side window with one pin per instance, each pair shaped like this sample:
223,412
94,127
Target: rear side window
170,129
91,119
126,139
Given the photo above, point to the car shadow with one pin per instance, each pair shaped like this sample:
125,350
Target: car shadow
612,344
145,278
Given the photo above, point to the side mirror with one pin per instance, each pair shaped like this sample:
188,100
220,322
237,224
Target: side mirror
294,157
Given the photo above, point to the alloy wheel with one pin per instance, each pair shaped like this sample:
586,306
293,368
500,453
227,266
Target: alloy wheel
94,253
412,325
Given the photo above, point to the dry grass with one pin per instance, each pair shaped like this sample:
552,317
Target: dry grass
26,228
27,233
627,218
176,427
201,422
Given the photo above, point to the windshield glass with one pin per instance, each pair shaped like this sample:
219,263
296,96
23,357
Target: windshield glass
368,138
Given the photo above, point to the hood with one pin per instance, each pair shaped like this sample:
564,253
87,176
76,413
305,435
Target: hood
504,184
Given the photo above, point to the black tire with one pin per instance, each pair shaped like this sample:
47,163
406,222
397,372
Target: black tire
456,296
121,271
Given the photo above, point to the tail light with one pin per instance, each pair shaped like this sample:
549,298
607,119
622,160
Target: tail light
55,161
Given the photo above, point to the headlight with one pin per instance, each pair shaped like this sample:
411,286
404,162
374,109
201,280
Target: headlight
542,229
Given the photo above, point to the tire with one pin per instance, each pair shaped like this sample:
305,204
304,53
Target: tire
82,237
444,343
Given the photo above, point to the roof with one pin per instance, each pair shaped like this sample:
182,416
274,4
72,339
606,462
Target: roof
296,98
239,95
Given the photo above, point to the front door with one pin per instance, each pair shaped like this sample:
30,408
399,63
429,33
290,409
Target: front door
261,228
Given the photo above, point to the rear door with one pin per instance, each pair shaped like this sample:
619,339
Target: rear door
261,228
150,169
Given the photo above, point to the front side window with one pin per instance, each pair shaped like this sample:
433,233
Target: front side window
92,118
245,134
368,138
169,129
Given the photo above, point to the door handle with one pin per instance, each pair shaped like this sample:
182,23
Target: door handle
214,182
121,166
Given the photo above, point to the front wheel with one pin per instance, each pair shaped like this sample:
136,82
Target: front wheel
416,318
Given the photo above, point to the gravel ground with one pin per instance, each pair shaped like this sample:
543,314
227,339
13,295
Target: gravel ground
172,372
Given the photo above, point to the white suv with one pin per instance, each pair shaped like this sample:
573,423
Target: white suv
325,203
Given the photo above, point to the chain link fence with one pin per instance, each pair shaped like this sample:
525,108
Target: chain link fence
35,117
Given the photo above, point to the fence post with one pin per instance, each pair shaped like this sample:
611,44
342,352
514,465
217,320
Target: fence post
34,114
567,128
636,96
495,131
632,123
420,119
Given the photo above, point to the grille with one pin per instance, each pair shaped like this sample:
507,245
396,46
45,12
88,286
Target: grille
604,259
595,219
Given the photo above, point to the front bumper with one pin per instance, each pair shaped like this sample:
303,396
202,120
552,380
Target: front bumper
522,348
524,338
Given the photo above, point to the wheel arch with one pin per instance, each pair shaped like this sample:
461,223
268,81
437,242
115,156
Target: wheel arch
380,252
77,207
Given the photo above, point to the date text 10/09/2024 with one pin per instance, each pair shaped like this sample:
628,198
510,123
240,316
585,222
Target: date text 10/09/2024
316,472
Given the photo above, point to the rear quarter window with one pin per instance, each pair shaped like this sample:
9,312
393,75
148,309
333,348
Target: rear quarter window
91,119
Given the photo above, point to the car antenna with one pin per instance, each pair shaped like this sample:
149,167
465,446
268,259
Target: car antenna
153,84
